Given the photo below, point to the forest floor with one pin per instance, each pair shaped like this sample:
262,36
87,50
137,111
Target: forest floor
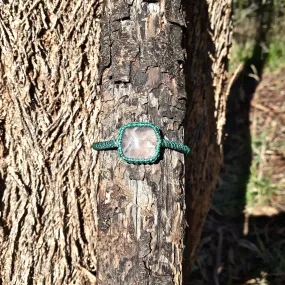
266,187
243,240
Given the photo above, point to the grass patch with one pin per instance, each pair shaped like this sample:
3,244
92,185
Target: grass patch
276,55
262,20
240,52
259,189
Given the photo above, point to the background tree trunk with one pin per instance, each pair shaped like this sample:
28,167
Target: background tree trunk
208,43
69,215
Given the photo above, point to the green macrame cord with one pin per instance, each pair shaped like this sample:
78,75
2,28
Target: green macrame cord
117,144
176,146
105,145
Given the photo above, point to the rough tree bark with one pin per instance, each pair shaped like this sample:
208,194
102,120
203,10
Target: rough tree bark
208,42
141,208
68,214
48,75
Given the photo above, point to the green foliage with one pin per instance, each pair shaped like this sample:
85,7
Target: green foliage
249,18
260,189
240,52
276,55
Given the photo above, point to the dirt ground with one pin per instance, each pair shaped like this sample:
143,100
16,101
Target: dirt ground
244,236
267,118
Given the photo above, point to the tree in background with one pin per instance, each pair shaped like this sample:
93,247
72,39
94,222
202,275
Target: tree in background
72,73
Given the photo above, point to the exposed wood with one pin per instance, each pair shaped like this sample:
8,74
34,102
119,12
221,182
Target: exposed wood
141,208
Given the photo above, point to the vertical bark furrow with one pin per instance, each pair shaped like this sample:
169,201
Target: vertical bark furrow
48,111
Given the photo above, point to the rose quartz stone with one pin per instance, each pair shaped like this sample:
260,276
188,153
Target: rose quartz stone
139,142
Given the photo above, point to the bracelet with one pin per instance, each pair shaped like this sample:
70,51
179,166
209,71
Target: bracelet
140,143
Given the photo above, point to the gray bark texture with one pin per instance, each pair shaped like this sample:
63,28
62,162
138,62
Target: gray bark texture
71,73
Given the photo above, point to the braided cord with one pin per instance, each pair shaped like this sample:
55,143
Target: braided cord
176,146
105,145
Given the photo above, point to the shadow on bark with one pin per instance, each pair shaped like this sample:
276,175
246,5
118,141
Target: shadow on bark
203,163
228,256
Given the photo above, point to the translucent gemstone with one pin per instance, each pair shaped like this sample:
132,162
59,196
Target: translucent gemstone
139,142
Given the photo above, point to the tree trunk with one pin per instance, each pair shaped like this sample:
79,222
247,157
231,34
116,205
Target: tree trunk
141,208
68,214
208,43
